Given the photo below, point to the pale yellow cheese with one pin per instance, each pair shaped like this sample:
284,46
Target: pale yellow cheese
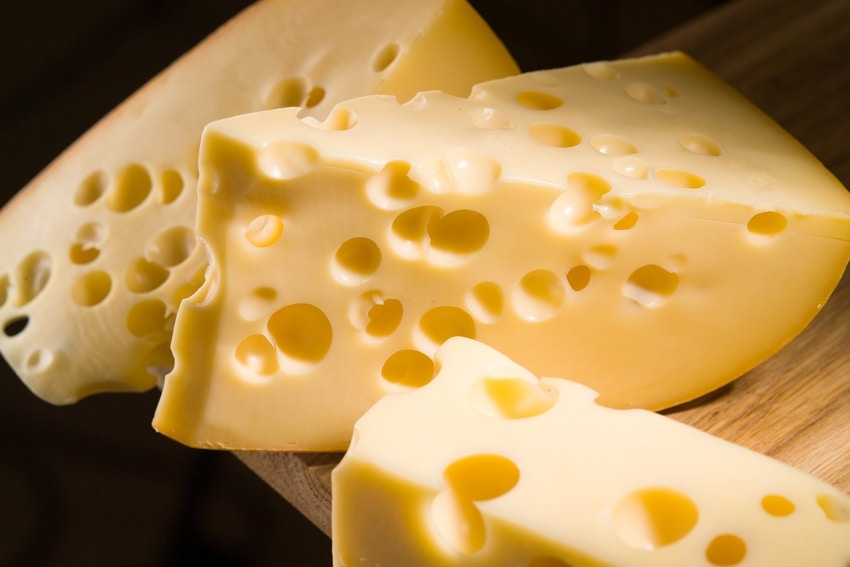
489,466
636,225
104,238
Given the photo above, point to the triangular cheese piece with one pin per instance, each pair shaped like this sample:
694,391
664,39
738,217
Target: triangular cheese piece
637,225
104,237
487,465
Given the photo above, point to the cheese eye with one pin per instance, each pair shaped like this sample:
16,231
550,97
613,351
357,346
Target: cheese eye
512,398
132,187
654,517
91,189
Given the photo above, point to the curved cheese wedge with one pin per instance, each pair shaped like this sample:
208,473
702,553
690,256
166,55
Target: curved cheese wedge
487,465
106,245
636,224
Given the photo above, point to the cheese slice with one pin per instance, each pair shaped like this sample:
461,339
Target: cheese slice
487,465
635,224
105,237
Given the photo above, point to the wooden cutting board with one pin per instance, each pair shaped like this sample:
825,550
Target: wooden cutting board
790,58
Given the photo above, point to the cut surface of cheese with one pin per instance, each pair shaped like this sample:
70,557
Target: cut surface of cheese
488,465
635,225
106,244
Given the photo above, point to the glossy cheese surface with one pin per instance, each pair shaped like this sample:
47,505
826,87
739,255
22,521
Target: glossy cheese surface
487,465
635,225
105,243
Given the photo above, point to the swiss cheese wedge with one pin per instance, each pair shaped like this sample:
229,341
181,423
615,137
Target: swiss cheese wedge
106,243
487,465
637,226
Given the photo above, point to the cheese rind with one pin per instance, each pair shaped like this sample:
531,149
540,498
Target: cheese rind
87,301
510,217
464,472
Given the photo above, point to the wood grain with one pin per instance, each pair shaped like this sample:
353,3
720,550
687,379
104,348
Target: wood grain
790,59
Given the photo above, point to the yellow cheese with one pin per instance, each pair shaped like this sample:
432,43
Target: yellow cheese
105,237
636,225
487,465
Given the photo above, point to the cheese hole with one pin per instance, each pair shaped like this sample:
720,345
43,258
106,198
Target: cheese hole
578,277
611,145
284,159
486,302
291,91
554,135
147,317
159,361
699,144
91,189
171,186
632,167
83,254
646,93
458,523
777,505
16,326
409,231
207,284
314,97
257,304
536,100
171,247
473,172
654,517
384,317
835,509
384,57
439,324
408,369
143,276
89,238
600,257
481,477
601,70
356,260
678,178
91,234
392,188
767,223
32,276
477,477
488,118
38,361
650,285
132,187
539,295
338,120
91,289
512,398
726,549
628,221
190,286
457,235
264,230
303,334
574,207
4,289
256,354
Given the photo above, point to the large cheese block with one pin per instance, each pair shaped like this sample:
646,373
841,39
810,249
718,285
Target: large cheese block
635,225
104,238
487,465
